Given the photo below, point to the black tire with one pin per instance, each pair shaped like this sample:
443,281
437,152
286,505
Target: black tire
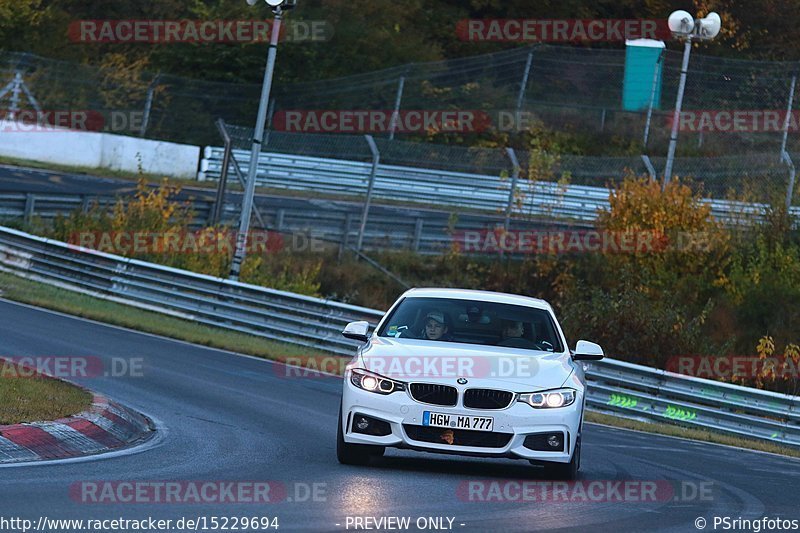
354,454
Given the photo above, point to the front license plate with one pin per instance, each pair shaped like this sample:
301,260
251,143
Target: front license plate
444,420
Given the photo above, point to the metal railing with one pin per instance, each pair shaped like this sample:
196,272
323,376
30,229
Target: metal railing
412,185
615,386
276,315
421,231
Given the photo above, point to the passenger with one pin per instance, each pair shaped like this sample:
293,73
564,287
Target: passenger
513,331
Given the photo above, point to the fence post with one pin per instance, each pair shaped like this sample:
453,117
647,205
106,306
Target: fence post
788,115
524,85
219,200
652,100
790,190
512,155
241,179
649,166
376,159
16,88
397,102
148,105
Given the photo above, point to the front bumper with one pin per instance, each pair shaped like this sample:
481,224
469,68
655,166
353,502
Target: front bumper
519,421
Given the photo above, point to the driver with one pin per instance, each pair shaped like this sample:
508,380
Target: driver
436,328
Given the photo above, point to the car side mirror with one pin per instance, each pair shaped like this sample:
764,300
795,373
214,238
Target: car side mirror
357,331
587,351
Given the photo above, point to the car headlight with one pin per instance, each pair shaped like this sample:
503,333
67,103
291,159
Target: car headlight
371,382
549,399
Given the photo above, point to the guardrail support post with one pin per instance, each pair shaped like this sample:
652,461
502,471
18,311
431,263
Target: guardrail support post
512,155
279,220
418,233
348,221
30,205
376,160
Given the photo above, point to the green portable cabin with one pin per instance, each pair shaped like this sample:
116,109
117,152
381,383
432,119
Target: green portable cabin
642,64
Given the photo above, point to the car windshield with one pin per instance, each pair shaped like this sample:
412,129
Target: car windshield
473,322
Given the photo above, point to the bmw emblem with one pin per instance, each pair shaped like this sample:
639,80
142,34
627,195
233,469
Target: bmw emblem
461,381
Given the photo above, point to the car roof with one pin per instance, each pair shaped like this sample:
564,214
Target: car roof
485,296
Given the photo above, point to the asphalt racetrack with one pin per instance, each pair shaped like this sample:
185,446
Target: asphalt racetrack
223,418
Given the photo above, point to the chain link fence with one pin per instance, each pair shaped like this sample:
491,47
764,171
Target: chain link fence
576,93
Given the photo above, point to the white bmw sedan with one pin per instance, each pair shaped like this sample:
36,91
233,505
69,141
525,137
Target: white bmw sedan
466,372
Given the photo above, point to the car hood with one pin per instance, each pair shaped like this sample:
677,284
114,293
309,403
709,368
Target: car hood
495,367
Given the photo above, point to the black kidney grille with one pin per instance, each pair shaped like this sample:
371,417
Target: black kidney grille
487,399
434,394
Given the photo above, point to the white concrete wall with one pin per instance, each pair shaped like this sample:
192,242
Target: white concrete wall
98,150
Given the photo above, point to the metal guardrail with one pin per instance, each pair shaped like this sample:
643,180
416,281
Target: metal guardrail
422,231
614,386
276,315
444,188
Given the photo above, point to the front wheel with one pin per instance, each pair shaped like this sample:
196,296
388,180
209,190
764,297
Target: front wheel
354,454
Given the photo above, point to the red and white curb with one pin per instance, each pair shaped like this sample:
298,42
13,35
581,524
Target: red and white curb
106,426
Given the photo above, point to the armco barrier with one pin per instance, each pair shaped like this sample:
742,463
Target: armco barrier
423,231
443,188
615,386
276,315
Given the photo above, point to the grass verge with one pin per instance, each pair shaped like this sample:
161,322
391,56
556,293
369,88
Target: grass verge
26,397
26,291
30,292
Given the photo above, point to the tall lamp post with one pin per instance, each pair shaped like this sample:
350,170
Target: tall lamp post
683,26
278,6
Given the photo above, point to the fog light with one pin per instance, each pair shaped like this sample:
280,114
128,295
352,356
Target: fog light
554,441
362,423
